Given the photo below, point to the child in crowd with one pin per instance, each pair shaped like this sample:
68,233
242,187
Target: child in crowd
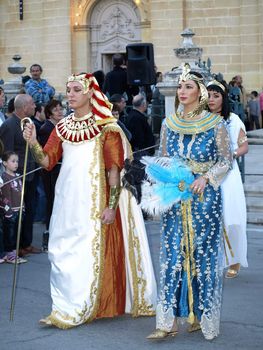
10,198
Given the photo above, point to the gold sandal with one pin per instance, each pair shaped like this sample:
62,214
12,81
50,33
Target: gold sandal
194,327
158,334
45,321
232,273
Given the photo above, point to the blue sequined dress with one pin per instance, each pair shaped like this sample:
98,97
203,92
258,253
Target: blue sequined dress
191,256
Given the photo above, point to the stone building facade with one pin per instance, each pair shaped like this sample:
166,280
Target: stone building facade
67,36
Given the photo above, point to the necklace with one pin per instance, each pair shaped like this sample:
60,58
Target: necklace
78,130
191,116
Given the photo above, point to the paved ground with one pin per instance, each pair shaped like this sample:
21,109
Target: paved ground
241,326
241,322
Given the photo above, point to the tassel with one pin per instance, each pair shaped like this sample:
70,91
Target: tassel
191,318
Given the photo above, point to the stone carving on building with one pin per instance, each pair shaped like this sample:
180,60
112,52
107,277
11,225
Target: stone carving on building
113,25
117,23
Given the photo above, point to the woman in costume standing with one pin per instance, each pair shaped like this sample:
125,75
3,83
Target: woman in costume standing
191,236
100,260
234,202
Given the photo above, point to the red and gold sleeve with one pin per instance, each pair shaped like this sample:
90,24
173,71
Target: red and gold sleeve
113,150
53,149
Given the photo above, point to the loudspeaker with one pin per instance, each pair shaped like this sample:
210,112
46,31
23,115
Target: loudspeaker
140,64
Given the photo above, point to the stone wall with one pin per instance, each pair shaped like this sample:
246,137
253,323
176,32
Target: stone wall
229,31
43,37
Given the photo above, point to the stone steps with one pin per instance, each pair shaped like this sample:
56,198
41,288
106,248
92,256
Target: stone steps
254,200
255,218
255,141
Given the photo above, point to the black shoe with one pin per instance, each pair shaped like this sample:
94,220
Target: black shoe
45,239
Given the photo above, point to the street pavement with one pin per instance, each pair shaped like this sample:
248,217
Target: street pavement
241,321
242,309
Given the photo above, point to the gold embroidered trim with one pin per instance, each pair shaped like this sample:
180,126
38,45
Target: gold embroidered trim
98,243
188,244
140,306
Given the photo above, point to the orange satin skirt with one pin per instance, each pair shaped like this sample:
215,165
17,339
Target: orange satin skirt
113,289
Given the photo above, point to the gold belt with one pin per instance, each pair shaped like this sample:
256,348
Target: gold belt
200,167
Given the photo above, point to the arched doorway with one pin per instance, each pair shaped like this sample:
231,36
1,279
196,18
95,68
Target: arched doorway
113,25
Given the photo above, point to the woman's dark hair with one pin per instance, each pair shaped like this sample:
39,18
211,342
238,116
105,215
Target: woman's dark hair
48,108
6,155
225,110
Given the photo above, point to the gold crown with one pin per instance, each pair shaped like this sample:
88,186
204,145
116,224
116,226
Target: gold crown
215,82
186,75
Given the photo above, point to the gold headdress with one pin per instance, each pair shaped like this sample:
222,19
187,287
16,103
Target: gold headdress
215,82
83,79
100,103
188,74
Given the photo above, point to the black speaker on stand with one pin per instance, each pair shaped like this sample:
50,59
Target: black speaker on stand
140,64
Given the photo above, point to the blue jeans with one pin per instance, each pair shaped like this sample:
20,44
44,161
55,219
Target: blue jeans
10,226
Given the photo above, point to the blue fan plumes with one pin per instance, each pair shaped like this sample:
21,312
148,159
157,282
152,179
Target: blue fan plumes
168,183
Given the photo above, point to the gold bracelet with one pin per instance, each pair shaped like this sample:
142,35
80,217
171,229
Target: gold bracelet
114,196
37,152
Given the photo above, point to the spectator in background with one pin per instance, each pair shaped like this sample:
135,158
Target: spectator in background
10,108
39,88
116,113
12,138
40,214
261,106
100,77
39,117
157,112
254,110
2,102
116,79
119,102
137,124
239,81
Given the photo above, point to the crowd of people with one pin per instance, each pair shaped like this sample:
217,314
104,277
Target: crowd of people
78,160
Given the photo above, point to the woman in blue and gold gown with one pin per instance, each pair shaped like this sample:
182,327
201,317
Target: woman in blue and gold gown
191,236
